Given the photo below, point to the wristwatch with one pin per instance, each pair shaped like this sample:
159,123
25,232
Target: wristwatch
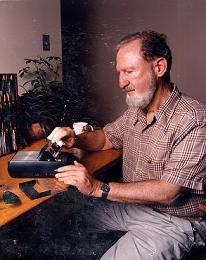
105,188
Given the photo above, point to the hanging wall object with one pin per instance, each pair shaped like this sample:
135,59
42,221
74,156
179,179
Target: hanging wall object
8,98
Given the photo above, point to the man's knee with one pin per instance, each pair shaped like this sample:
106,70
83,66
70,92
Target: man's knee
136,245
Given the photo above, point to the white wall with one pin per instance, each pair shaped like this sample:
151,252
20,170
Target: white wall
22,24
182,20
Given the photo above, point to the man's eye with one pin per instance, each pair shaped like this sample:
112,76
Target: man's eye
131,73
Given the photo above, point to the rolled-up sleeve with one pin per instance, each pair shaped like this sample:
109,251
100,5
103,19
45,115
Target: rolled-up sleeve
187,163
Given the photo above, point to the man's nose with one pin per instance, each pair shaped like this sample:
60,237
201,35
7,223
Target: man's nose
123,81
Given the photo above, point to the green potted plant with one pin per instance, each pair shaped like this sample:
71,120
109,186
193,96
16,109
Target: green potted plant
45,101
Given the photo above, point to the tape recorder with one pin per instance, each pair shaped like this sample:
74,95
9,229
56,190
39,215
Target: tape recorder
40,164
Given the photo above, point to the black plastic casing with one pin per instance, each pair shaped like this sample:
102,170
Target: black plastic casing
25,164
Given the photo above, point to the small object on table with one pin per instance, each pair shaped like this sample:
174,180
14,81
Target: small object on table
9,197
28,189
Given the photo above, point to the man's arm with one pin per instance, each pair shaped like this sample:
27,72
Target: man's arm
144,192
93,141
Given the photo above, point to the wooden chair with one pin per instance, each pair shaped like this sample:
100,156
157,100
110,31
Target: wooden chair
202,206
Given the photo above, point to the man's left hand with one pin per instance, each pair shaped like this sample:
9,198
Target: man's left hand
77,175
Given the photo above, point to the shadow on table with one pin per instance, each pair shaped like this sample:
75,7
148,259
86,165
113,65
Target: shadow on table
51,231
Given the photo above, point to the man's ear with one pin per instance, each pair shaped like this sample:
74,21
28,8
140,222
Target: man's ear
160,67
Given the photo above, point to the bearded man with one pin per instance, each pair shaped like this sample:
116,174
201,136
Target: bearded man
163,136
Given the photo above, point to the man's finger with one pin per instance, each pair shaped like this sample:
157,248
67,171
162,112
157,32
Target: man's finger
69,180
76,163
67,168
60,132
67,174
50,137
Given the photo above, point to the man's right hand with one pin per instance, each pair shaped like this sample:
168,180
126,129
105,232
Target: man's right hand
64,133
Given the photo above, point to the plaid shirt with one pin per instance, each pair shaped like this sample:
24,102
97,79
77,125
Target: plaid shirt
172,148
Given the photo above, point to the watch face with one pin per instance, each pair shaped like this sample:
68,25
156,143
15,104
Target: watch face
105,187
105,190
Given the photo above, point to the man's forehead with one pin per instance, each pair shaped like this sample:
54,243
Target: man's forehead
129,54
132,45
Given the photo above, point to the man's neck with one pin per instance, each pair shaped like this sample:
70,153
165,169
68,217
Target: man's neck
161,95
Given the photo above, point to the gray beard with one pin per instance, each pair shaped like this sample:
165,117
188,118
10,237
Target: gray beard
143,100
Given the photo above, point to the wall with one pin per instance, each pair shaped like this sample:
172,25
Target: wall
104,22
22,25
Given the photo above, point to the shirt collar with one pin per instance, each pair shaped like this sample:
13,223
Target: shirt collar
167,109
165,112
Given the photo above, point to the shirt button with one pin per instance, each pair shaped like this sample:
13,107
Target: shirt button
149,161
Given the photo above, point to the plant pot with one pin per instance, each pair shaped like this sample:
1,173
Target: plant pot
36,132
